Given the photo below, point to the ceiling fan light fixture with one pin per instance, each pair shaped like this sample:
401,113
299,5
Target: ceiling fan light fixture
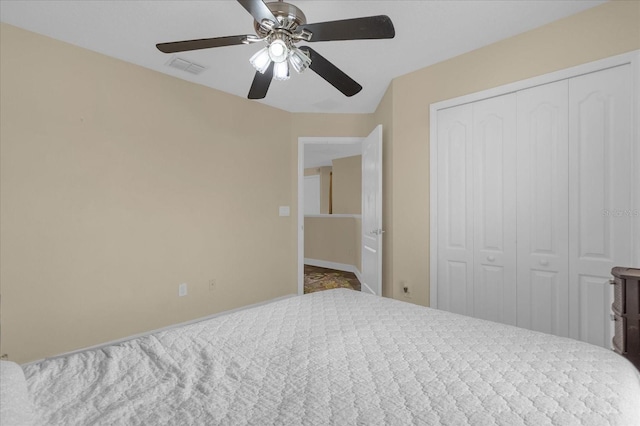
261,60
299,60
278,51
281,70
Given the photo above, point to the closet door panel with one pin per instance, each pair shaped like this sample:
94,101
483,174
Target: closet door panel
455,237
594,304
542,211
600,198
494,195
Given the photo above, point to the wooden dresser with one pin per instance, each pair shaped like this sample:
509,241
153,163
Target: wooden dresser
626,311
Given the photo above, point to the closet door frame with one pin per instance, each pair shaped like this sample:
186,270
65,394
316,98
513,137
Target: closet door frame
631,58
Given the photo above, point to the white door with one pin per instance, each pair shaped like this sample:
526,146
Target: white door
454,210
494,205
312,194
372,212
600,196
476,175
543,209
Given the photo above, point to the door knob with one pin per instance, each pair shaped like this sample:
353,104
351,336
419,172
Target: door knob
491,258
544,262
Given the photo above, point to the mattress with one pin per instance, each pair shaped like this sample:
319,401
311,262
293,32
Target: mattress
339,357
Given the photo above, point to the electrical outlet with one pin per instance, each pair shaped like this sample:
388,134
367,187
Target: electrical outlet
212,284
406,291
182,289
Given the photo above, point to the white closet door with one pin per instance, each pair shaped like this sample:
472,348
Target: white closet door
600,182
494,204
543,209
455,232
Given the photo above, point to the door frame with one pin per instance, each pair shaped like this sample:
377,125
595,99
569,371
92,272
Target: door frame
302,141
632,58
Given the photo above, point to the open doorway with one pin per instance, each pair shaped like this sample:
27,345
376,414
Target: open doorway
341,238
331,198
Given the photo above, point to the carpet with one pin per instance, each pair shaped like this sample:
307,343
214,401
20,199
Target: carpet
318,279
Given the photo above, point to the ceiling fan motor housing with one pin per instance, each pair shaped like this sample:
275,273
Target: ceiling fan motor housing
289,18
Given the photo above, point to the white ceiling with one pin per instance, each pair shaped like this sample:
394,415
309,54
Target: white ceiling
427,32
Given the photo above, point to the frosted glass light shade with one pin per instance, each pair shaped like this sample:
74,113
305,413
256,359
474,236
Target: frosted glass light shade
281,70
261,60
278,51
299,60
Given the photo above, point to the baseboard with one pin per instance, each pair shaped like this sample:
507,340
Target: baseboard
366,289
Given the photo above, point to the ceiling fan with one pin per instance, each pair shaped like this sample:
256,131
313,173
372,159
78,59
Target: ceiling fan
281,25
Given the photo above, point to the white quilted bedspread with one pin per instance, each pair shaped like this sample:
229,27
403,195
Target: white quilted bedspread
339,357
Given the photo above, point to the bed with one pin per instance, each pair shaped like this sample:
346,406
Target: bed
336,357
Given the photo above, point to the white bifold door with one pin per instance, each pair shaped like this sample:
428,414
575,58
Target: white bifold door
494,201
601,185
455,211
543,208
476,209
530,186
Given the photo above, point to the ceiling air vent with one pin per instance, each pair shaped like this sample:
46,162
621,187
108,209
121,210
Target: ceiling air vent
184,65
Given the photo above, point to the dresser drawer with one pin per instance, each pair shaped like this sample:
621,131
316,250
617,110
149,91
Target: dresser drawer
619,299
626,313
620,338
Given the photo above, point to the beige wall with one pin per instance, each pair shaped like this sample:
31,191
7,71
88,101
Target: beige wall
337,239
347,185
602,31
333,239
118,184
330,125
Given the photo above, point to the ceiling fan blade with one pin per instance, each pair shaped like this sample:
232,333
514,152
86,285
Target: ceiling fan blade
203,43
261,83
332,74
371,27
258,10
